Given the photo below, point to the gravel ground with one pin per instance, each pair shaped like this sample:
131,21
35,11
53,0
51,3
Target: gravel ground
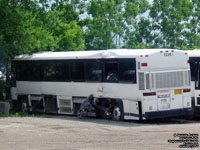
68,132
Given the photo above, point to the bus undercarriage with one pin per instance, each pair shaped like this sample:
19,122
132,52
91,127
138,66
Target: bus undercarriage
90,106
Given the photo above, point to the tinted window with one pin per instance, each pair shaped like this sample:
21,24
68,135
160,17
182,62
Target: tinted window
54,71
93,70
27,71
77,71
127,71
111,71
195,70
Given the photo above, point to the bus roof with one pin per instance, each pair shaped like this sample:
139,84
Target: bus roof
111,53
194,53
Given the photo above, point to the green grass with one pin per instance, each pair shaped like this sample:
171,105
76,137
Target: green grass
2,116
21,114
25,114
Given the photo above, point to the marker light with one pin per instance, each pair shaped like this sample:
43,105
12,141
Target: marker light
149,94
186,90
144,64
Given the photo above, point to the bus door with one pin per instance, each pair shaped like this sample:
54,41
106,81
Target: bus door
197,75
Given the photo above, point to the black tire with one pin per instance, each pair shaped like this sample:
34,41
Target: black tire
117,112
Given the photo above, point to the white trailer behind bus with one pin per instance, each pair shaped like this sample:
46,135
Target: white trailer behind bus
143,84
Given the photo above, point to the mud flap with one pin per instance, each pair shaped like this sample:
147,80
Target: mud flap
140,110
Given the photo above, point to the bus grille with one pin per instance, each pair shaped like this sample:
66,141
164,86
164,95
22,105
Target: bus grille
170,79
141,81
65,110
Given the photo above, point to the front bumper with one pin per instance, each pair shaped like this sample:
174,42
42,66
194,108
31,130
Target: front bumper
186,112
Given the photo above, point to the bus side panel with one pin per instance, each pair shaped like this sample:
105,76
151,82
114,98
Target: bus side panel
120,90
58,88
26,87
131,110
149,104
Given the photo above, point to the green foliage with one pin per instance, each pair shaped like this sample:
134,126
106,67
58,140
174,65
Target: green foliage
26,27
192,35
70,37
169,20
136,33
20,114
140,37
109,20
103,24
30,26
65,11
22,30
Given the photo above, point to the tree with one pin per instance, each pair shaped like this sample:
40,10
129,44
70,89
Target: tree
22,30
192,34
109,20
139,36
70,35
65,11
103,25
169,18
27,27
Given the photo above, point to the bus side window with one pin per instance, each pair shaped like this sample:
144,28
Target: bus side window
27,71
60,71
49,72
111,71
198,75
93,71
77,71
54,71
193,74
127,71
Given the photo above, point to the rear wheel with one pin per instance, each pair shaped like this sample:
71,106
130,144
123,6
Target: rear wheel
117,113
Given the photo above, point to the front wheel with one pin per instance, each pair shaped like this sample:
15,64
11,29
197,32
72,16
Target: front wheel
117,113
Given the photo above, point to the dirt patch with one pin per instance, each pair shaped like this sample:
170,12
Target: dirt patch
66,132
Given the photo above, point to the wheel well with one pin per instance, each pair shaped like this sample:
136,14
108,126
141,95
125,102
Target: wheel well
107,102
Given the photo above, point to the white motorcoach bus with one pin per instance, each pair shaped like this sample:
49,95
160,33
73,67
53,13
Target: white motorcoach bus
133,84
194,57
